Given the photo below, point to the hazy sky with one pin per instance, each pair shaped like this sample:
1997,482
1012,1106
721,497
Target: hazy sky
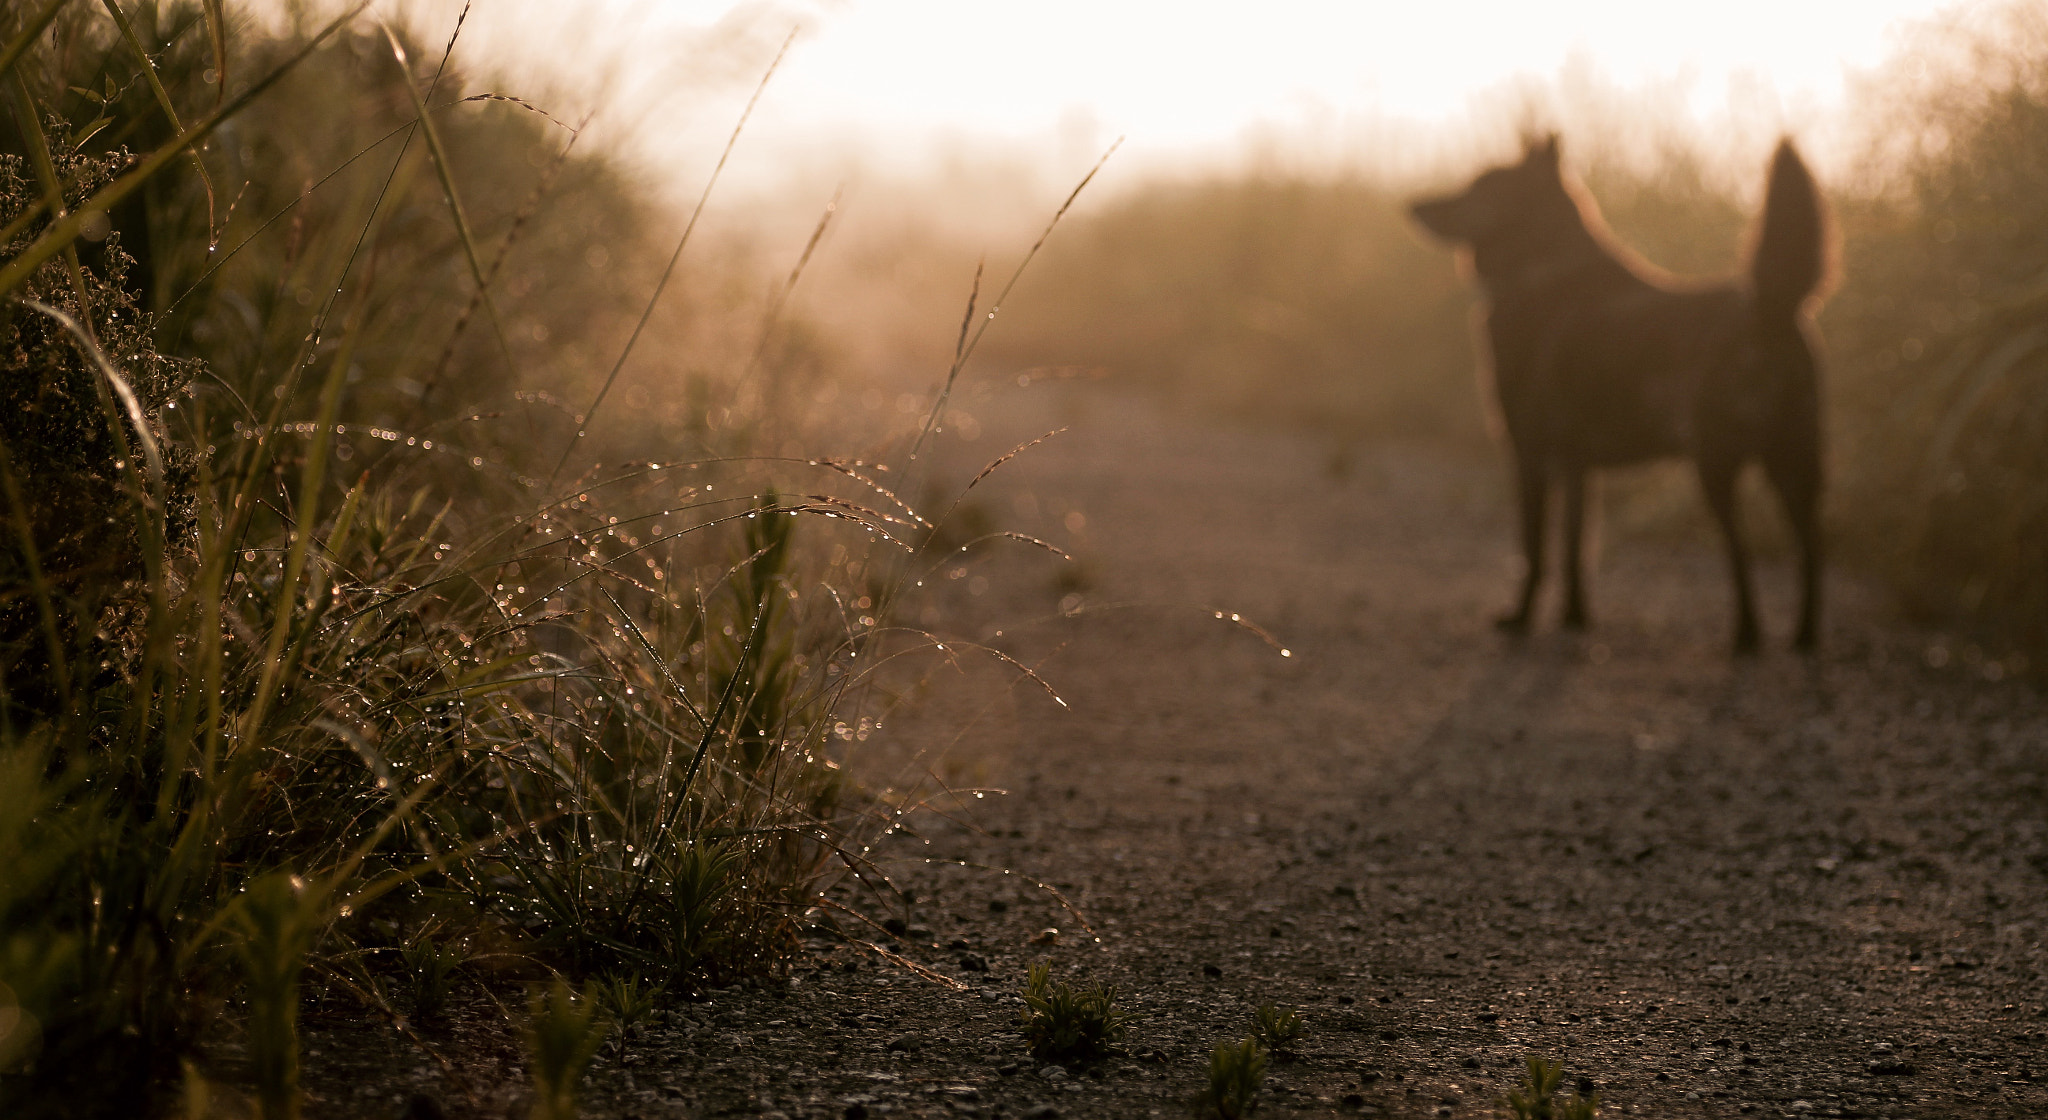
1192,77
1196,72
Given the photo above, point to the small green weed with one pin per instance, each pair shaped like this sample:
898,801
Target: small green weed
1279,1028
1235,1073
1063,1024
1537,1099
563,1033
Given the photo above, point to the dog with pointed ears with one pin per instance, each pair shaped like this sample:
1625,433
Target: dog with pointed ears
1600,360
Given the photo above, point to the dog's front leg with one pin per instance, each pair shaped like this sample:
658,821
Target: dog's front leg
1578,489
1533,483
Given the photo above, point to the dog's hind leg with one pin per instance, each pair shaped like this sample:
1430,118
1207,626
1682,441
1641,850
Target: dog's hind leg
1794,472
1578,490
1717,479
1533,483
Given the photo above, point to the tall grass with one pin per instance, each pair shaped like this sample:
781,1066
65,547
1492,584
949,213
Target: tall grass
307,669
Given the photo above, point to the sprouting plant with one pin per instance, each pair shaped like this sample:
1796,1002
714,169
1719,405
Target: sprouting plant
1063,1024
700,882
276,920
1235,1073
430,968
626,1001
563,1033
1279,1028
1538,1098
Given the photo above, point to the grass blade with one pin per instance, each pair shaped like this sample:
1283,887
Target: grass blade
583,421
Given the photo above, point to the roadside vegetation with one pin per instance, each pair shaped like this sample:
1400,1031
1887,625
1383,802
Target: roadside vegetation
382,610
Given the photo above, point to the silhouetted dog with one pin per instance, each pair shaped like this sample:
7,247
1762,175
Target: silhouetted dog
1599,360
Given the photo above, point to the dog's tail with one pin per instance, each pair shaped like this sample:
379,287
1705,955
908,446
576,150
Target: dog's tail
1790,261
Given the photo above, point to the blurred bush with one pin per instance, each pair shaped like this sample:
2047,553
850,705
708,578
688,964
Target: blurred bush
1298,300
1941,331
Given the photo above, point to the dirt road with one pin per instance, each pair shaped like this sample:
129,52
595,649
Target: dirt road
1774,887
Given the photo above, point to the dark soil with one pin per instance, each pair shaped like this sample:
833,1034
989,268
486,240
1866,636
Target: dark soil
1774,887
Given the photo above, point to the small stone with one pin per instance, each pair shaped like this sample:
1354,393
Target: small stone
1047,936
1471,1062
905,1042
1489,1016
1042,1112
1354,1100
973,962
1663,1076
1053,1073
958,945
1892,1067
997,906
1008,1069
897,926
1389,1035
856,1111
1212,972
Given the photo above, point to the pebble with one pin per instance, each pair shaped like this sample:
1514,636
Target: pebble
905,1042
1042,1112
1053,1073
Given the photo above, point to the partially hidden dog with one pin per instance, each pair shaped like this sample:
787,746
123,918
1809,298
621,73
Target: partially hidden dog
1600,360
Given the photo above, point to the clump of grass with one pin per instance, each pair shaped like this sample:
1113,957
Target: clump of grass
1279,1028
364,635
325,637
1070,1025
1539,1099
564,1030
1236,1072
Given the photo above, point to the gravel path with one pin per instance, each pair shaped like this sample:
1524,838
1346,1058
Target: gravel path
1774,887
